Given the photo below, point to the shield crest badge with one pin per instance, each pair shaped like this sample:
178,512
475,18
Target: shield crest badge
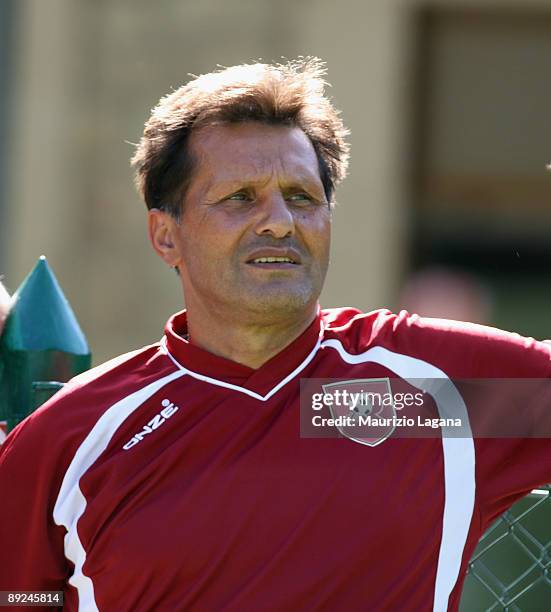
370,405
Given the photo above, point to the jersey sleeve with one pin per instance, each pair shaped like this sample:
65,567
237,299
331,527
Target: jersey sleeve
516,374
35,459
31,547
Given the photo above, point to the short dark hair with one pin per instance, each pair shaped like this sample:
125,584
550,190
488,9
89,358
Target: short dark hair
290,94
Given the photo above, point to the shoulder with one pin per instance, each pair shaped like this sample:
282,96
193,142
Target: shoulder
67,418
461,349
73,428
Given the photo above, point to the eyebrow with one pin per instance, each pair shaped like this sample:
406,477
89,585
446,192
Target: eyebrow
299,182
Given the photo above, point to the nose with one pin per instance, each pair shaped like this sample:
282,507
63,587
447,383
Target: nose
274,217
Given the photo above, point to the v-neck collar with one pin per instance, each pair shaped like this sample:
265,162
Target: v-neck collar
261,381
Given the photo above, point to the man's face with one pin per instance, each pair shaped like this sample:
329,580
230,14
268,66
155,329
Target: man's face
254,233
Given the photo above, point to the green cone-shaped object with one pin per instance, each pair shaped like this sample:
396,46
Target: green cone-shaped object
42,344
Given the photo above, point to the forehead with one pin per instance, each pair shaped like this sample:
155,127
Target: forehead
253,150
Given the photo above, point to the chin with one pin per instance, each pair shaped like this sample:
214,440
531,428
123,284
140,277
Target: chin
277,304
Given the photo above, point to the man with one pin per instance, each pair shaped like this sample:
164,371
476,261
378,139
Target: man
438,291
175,477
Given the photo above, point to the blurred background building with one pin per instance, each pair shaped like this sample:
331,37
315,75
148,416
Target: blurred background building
449,103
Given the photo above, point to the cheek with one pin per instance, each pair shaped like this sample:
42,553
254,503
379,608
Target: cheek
200,252
319,236
204,247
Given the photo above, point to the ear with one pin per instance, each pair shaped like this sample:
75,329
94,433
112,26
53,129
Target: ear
162,229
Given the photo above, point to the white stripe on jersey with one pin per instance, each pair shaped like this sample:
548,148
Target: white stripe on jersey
459,457
71,503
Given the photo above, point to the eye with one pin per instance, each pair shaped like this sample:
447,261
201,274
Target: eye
240,196
301,198
297,197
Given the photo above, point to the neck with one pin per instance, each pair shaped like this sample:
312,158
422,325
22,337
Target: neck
247,342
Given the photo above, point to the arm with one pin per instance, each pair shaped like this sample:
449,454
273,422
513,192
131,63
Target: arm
31,549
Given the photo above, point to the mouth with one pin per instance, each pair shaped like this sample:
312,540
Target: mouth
273,263
275,259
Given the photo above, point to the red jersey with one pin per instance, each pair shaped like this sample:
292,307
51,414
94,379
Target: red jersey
174,479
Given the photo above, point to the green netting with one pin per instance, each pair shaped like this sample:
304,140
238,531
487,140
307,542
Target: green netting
510,569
